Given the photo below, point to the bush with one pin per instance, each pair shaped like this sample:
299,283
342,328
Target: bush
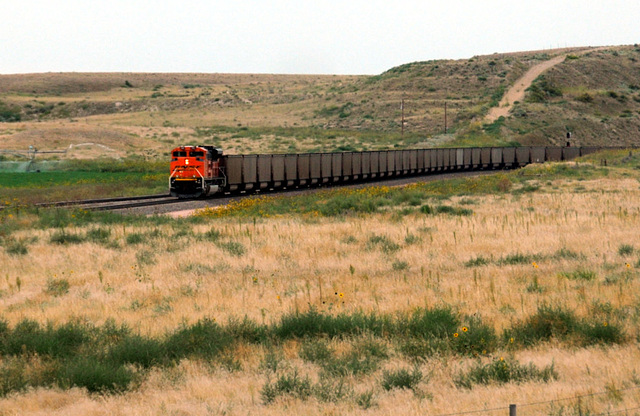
547,323
600,332
445,209
61,237
516,258
580,274
29,337
426,209
137,350
204,339
504,371
94,375
352,363
313,323
10,113
382,242
16,247
135,238
585,98
399,265
98,235
431,323
329,390
474,338
478,261
316,351
401,379
13,376
57,287
287,384
366,400
626,250
232,247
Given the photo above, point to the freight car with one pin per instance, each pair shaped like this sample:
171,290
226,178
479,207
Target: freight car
200,170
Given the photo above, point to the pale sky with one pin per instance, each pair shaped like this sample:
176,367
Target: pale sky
293,37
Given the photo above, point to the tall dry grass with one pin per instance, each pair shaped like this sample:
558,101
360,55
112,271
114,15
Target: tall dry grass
155,278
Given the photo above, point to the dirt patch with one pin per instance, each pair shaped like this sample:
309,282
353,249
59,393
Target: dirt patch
516,92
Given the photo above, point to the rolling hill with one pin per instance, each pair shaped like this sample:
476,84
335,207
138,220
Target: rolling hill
592,92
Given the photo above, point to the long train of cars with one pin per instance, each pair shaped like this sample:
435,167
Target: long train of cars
201,170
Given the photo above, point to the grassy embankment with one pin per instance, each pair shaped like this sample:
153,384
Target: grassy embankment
84,179
436,297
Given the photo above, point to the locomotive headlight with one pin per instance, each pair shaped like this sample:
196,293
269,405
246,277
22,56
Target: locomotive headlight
186,161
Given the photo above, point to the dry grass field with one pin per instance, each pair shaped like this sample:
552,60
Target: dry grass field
534,284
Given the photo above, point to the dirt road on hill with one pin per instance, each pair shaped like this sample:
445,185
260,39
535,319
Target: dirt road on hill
516,92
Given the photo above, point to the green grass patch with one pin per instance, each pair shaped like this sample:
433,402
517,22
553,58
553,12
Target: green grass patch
112,359
580,274
501,371
401,379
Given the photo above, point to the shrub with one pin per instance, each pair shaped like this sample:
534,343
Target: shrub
567,254
362,359
585,98
287,384
94,375
204,339
316,351
16,247
421,349
313,323
426,209
329,390
366,400
600,332
474,338
353,363
516,258
476,262
401,379
134,349
580,274
10,113
446,209
399,265
135,238
99,235
232,247
61,237
57,287
548,322
431,323
504,371
13,376
212,235
626,250
29,337
246,330
145,257
382,242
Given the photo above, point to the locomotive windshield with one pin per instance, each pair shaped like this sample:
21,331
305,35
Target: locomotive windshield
196,154
179,154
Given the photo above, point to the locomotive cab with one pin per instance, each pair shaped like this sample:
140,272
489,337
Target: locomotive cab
195,171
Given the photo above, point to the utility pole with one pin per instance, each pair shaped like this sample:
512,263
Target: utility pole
402,123
445,117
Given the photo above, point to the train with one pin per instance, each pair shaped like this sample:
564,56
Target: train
200,170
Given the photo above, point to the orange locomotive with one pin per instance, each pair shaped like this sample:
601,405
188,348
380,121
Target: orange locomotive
196,171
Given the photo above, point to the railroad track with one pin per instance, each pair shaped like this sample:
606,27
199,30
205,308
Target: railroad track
111,204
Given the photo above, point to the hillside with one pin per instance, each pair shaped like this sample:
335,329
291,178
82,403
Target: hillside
595,94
